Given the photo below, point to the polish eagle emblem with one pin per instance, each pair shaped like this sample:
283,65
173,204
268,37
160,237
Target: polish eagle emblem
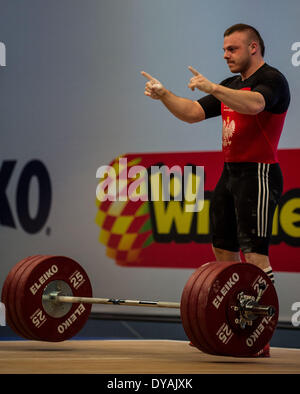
227,131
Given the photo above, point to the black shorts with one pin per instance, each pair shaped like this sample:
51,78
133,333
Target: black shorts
243,205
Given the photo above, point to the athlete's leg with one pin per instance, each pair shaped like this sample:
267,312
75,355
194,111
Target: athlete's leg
226,255
223,221
262,261
257,194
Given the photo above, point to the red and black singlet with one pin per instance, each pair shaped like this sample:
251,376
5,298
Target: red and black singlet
252,138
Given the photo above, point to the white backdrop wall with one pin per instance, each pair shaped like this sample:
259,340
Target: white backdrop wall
72,98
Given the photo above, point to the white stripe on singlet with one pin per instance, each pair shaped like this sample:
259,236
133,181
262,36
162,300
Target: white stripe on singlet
263,199
266,179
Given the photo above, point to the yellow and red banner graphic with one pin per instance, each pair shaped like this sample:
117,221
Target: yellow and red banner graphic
140,225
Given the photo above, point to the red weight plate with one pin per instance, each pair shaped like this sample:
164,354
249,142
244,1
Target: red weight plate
218,296
16,293
195,318
213,315
186,309
30,308
6,297
184,304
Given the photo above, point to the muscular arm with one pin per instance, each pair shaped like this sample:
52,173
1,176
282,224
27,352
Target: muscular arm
184,109
242,101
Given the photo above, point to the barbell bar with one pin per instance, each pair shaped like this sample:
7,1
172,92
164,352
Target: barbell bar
55,297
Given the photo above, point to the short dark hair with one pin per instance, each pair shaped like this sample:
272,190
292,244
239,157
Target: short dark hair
253,32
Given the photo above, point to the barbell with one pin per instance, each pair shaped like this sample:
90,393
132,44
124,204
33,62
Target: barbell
226,308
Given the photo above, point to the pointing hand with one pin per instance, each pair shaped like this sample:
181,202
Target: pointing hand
200,82
153,87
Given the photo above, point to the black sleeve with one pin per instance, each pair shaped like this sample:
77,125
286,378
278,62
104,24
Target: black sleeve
275,90
210,104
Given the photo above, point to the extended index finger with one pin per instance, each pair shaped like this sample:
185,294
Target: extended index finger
146,75
193,70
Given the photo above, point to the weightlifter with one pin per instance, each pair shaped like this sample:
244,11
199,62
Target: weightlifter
253,106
